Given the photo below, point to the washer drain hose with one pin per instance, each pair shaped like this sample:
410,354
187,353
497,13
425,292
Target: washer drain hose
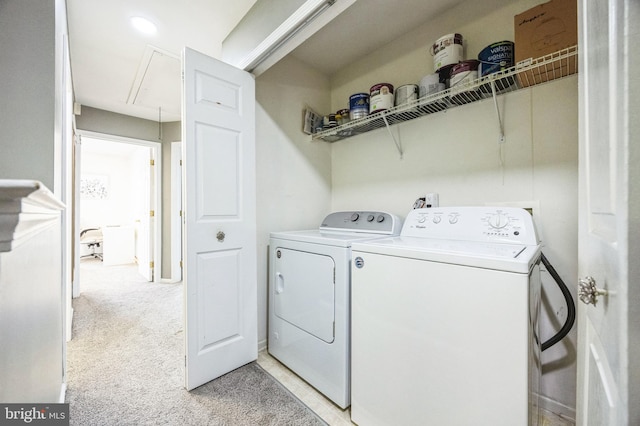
571,307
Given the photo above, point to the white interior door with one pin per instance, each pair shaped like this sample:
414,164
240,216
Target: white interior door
608,147
218,155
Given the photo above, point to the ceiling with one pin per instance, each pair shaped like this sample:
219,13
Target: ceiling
117,69
371,24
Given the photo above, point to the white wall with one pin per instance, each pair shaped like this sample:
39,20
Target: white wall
123,205
456,154
293,175
31,308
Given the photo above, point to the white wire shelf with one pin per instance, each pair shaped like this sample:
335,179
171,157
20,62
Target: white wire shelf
531,73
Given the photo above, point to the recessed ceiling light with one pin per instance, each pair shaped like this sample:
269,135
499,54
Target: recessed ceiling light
143,25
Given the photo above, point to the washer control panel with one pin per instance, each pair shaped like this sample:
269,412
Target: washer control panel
503,224
362,221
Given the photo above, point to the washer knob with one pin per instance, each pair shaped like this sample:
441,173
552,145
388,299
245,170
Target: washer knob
370,218
499,221
380,218
355,217
437,219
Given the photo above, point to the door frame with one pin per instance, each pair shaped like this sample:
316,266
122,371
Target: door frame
176,206
156,182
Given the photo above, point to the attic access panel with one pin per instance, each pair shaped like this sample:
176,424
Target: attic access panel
157,83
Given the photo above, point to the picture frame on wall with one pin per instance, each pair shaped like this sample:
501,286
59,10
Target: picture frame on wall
94,187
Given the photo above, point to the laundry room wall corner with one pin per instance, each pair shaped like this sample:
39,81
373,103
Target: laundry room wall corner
293,174
555,184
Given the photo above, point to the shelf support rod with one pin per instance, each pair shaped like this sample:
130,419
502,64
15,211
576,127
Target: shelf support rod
395,141
495,103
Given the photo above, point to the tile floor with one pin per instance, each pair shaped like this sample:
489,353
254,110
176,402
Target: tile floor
330,412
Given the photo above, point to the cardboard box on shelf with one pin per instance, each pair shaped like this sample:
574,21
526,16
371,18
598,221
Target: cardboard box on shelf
545,30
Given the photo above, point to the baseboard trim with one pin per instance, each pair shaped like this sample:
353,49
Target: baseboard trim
262,345
63,393
558,408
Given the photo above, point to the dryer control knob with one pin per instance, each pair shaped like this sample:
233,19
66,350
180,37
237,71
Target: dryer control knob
380,218
370,218
355,217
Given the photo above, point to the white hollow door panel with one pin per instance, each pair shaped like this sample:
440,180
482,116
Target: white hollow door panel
305,291
219,299
217,154
218,93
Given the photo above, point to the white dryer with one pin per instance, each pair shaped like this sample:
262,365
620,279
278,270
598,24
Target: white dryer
445,321
310,297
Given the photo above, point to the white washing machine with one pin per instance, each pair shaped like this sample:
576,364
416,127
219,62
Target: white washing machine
445,321
310,296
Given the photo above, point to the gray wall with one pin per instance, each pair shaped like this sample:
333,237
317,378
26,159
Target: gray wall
27,82
110,123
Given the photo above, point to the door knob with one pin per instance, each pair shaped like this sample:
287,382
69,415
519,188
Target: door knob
588,292
220,236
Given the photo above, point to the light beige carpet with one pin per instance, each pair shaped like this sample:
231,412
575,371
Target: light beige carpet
125,363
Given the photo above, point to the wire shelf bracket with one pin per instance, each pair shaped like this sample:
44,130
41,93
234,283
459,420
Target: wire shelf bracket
495,103
397,142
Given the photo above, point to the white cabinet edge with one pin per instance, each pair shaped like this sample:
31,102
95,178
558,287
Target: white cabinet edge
26,207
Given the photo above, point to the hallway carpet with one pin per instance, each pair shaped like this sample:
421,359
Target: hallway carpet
125,363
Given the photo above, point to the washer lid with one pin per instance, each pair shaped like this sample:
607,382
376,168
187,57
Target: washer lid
505,257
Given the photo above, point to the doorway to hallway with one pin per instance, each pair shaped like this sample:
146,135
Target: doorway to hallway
118,188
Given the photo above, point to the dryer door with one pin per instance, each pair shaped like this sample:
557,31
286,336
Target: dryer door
304,291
